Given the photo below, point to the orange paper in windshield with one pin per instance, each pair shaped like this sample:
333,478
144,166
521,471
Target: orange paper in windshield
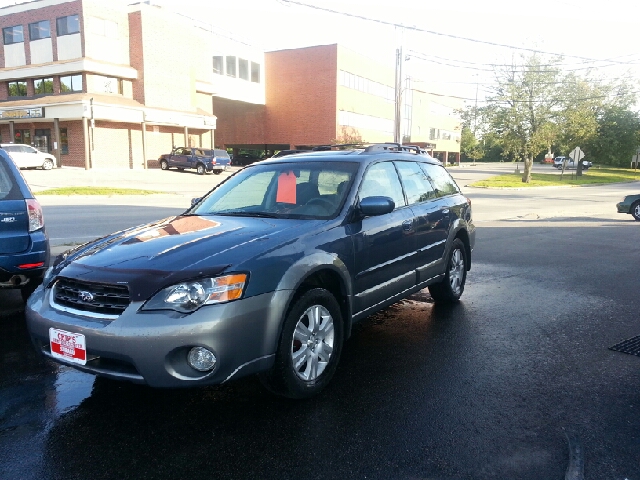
286,188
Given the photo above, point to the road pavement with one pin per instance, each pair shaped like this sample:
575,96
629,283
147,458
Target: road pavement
491,388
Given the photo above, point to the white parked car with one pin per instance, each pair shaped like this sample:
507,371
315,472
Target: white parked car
558,161
25,156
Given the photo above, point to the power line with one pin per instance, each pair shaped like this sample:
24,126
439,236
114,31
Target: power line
431,32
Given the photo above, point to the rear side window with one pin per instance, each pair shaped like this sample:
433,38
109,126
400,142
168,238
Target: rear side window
8,187
416,184
441,180
11,148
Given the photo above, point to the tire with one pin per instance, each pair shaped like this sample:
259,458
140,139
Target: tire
217,172
450,289
200,169
317,359
164,165
635,211
29,288
47,164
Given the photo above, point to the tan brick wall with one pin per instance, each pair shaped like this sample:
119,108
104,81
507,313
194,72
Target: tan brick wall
105,48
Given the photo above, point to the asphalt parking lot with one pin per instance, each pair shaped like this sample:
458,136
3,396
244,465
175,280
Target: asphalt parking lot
492,388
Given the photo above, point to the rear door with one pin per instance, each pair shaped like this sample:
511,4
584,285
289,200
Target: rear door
31,156
430,222
14,221
16,154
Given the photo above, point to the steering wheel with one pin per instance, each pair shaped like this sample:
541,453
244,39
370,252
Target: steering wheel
322,202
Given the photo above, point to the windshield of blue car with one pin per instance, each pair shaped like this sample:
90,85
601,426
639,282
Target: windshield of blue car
308,190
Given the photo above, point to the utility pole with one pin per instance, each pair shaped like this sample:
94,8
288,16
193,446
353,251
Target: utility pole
397,130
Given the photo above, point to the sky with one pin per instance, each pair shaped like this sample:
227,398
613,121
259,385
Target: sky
603,35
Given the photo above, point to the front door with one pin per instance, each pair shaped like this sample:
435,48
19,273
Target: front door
42,140
385,244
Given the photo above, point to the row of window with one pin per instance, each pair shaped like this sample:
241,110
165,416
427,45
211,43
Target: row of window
422,182
43,86
41,141
358,120
236,67
39,30
365,85
438,134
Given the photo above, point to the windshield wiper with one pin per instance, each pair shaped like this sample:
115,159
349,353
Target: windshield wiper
247,214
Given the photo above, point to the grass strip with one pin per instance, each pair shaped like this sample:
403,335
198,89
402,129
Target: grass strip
95,191
593,176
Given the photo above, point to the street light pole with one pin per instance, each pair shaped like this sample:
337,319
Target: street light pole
397,131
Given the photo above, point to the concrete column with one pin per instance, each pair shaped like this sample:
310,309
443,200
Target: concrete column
186,137
212,138
87,147
144,145
56,132
12,133
446,158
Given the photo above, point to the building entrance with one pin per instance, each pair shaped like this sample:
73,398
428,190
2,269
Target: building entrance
42,140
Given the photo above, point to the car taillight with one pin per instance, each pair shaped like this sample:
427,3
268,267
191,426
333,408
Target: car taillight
213,160
36,220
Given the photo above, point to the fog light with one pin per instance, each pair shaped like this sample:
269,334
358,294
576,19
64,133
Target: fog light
201,359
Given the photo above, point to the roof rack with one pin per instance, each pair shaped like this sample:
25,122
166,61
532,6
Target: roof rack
374,147
394,147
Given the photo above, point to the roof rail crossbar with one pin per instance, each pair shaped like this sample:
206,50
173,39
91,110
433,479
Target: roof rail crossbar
394,147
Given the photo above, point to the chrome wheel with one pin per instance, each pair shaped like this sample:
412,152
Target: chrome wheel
635,211
312,344
456,271
164,165
47,165
200,169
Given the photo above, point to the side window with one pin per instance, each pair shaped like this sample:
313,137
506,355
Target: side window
442,181
382,179
416,184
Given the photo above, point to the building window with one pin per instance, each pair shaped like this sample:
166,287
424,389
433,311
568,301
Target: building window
71,83
217,65
43,85
22,136
64,142
18,88
13,35
102,27
67,25
243,69
39,30
231,66
255,72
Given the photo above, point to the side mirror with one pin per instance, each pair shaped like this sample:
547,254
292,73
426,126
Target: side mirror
374,206
195,200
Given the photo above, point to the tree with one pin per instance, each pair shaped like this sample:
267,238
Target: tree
469,146
618,137
347,135
522,108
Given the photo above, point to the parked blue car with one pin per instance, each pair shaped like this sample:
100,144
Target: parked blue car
24,245
200,159
265,274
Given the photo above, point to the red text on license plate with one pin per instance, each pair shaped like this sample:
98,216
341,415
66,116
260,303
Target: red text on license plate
68,346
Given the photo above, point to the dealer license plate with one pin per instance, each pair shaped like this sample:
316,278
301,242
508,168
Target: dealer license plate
68,346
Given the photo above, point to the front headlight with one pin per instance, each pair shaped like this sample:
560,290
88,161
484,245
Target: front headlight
186,297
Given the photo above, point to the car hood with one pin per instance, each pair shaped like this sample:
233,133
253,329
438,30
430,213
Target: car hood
155,255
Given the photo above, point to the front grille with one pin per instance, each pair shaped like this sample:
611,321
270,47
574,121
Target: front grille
97,298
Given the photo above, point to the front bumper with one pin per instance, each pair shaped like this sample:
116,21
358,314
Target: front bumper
152,347
623,207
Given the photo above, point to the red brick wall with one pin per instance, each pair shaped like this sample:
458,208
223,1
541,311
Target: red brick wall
50,13
135,54
301,95
239,123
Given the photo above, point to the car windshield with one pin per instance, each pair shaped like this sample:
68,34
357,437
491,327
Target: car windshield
309,190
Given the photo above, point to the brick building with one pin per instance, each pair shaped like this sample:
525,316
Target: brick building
102,85
98,85
320,94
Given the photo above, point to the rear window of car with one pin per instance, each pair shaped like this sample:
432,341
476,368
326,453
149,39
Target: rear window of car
9,189
11,148
221,153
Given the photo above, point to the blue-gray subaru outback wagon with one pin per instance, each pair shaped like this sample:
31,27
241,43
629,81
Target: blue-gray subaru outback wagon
265,274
